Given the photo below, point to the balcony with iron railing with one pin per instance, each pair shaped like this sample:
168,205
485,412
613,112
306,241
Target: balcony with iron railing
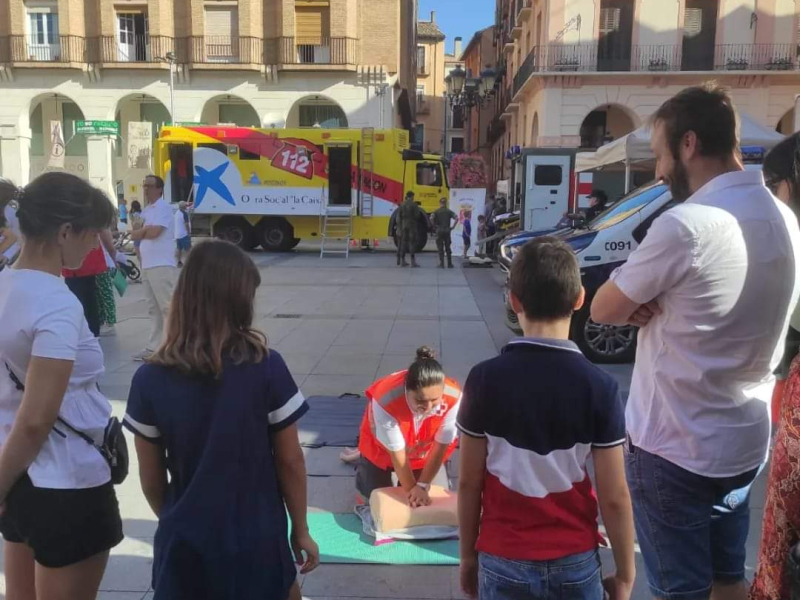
132,48
338,51
593,58
225,50
42,49
142,50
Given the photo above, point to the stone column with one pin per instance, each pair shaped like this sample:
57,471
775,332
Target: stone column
98,149
15,153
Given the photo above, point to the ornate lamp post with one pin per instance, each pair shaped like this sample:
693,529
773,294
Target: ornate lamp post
470,92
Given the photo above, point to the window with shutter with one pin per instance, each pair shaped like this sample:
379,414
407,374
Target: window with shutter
421,66
693,22
609,19
222,32
312,34
615,29
312,24
699,35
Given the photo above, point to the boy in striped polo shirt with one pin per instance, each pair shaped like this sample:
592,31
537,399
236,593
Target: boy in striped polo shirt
531,418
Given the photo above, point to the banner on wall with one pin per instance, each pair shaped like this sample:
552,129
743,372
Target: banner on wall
57,146
140,145
467,204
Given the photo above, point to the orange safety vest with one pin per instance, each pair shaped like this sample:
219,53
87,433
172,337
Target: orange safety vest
390,393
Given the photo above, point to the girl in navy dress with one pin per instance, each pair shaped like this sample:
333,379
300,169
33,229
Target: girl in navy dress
214,415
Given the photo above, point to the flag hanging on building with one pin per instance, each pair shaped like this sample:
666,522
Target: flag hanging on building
140,144
57,146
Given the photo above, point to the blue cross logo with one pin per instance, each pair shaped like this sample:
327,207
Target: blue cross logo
212,180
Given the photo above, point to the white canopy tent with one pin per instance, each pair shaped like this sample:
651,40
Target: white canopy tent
634,148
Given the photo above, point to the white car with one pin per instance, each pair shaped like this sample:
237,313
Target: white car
601,246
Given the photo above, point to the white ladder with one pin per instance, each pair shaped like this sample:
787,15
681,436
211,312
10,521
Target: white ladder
336,228
367,168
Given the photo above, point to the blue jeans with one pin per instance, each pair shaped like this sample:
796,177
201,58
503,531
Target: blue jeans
576,577
691,529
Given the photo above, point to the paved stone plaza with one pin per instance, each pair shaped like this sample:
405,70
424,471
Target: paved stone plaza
341,324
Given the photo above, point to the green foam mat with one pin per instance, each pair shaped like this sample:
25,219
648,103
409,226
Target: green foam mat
342,541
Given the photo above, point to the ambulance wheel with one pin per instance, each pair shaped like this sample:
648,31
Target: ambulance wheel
276,235
603,344
236,230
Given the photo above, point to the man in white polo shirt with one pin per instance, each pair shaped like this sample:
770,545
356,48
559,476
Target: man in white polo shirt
159,265
712,287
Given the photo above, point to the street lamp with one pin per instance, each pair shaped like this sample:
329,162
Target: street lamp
458,76
470,92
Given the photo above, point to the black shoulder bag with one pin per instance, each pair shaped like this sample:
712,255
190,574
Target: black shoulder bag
114,447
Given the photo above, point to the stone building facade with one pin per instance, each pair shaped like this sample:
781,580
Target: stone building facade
264,63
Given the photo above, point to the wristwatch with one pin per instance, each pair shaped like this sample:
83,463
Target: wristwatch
424,486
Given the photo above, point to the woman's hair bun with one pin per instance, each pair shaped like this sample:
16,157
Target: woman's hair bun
425,353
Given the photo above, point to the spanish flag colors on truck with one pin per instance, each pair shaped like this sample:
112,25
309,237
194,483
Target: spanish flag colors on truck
270,186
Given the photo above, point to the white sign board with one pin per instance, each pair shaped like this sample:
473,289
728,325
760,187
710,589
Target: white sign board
57,146
140,145
467,204
219,188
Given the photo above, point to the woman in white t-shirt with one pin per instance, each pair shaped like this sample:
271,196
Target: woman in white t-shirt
58,511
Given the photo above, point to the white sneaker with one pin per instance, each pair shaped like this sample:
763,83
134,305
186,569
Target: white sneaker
107,330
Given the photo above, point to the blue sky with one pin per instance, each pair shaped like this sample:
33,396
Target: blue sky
458,17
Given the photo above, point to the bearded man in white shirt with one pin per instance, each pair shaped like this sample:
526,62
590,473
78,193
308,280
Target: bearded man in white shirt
712,287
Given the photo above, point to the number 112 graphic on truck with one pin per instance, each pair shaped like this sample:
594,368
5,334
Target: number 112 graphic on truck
268,187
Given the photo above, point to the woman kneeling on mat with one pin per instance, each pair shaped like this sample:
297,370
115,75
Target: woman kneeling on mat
409,428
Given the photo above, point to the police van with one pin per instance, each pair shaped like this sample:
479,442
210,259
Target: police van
601,246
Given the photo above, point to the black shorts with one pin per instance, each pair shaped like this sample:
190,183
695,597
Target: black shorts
62,527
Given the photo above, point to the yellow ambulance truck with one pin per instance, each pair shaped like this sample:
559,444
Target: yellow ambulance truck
272,187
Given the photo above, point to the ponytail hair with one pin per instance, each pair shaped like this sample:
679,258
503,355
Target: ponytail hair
425,371
56,198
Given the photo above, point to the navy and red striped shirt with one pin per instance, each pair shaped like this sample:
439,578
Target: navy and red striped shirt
542,407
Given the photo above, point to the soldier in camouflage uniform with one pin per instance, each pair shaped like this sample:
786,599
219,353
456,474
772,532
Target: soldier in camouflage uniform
408,217
442,220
